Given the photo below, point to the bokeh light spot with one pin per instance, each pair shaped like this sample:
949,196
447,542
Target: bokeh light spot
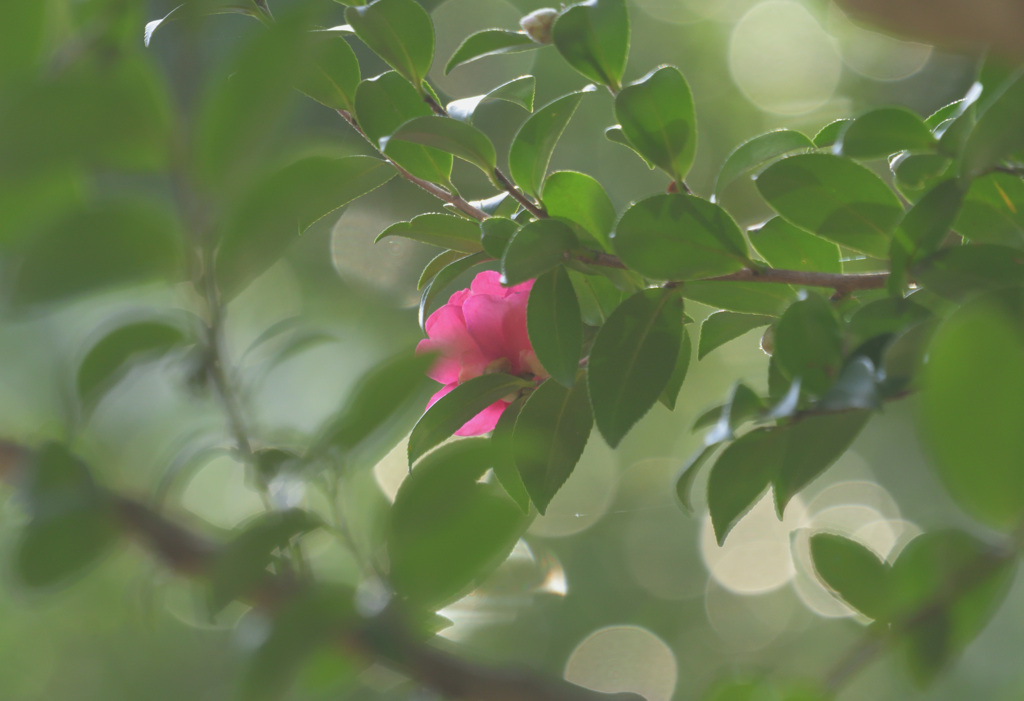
623,659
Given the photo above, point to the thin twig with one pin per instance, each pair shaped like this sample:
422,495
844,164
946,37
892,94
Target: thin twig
435,190
518,196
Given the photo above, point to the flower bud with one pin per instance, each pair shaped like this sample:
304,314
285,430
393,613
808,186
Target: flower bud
538,23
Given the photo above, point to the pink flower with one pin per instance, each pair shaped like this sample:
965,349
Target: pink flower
481,330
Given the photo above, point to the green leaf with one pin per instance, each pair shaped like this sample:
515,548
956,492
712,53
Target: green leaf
742,405
495,233
632,359
333,76
756,152
657,116
788,247
809,344
445,277
442,230
835,198
742,297
449,135
884,131
378,411
675,382
241,564
945,588
593,37
885,317
24,39
503,455
598,297
72,522
721,327
924,228
993,211
490,42
830,133
787,457
915,174
997,133
617,136
192,10
580,199
518,92
554,325
277,210
679,237
257,81
448,530
436,265
385,103
103,245
452,411
534,249
856,388
550,434
856,574
305,622
116,349
973,400
400,32
533,144
957,272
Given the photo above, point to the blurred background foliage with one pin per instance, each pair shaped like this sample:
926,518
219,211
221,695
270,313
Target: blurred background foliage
615,586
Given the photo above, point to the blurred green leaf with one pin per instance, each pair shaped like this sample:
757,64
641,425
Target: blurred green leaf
809,344
442,230
580,199
835,198
536,248
447,529
277,210
400,32
721,327
436,265
657,117
385,103
687,476
449,413
957,272
449,135
550,435
593,37
192,9
31,199
993,210
856,387
997,133
240,565
117,348
379,411
973,403
533,144
489,42
884,131
616,135
923,229
495,233
25,26
554,324
789,247
518,92
103,245
72,521
632,360
915,174
679,237
758,151
305,622
333,77
856,574
742,405
675,382
829,134
597,295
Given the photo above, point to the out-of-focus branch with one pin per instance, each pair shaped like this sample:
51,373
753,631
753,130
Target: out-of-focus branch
383,638
955,24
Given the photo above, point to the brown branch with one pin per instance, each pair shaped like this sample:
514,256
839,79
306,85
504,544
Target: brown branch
435,190
383,638
518,196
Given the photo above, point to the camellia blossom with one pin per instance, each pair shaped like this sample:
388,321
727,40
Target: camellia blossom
481,330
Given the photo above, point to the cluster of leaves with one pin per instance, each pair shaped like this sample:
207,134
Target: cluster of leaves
925,262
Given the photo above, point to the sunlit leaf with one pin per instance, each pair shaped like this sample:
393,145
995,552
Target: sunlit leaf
554,324
657,117
593,37
536,248
449,135
721,327
758,151
533,144
489,42
400,32
442,230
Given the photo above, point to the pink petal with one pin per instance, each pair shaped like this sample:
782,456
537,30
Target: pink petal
488,282
485,421
485,322
447,329
446,368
